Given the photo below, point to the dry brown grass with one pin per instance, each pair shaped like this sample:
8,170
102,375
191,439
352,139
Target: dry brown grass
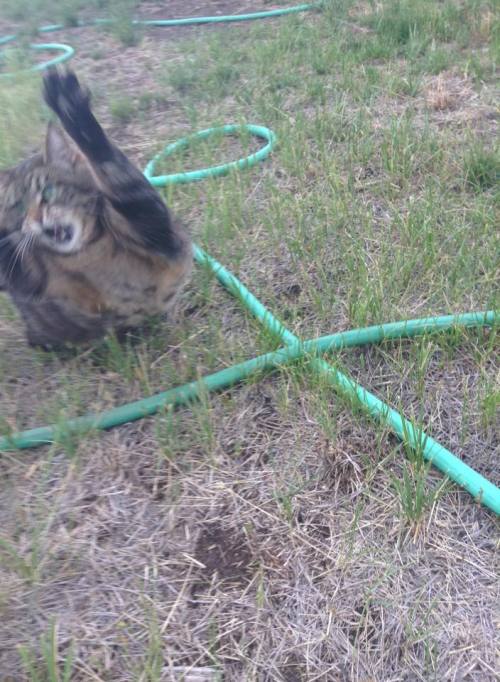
447,92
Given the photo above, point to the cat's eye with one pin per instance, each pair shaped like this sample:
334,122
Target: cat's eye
48,193
20,206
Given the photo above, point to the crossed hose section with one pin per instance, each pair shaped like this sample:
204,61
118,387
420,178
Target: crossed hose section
478,486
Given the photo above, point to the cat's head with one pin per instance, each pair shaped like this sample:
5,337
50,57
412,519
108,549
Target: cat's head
63,207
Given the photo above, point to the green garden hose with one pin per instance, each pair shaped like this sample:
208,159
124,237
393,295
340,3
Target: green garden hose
181,395
67,51
213,171
480,488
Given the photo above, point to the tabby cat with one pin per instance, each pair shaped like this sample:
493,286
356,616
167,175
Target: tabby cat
86,243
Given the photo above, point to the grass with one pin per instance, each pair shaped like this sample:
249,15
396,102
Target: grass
272,532
50,670
67,12
19,119
122,109
481,167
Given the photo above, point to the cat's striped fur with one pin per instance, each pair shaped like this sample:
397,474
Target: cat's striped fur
86,243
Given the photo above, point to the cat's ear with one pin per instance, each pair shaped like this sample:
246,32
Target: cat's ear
59,150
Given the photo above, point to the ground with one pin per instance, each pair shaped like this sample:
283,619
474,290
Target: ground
272,531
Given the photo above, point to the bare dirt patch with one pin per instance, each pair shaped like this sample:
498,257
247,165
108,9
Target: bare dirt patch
223,554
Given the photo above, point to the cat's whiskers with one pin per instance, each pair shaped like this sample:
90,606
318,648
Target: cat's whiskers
26,244
19,252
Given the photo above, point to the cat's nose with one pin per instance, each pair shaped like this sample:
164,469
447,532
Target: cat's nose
34,214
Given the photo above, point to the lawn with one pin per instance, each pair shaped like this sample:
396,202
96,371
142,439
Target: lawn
271,531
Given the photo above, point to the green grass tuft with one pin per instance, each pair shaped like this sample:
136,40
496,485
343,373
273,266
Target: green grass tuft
482,168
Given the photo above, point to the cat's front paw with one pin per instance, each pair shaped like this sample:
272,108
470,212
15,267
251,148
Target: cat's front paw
64,94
